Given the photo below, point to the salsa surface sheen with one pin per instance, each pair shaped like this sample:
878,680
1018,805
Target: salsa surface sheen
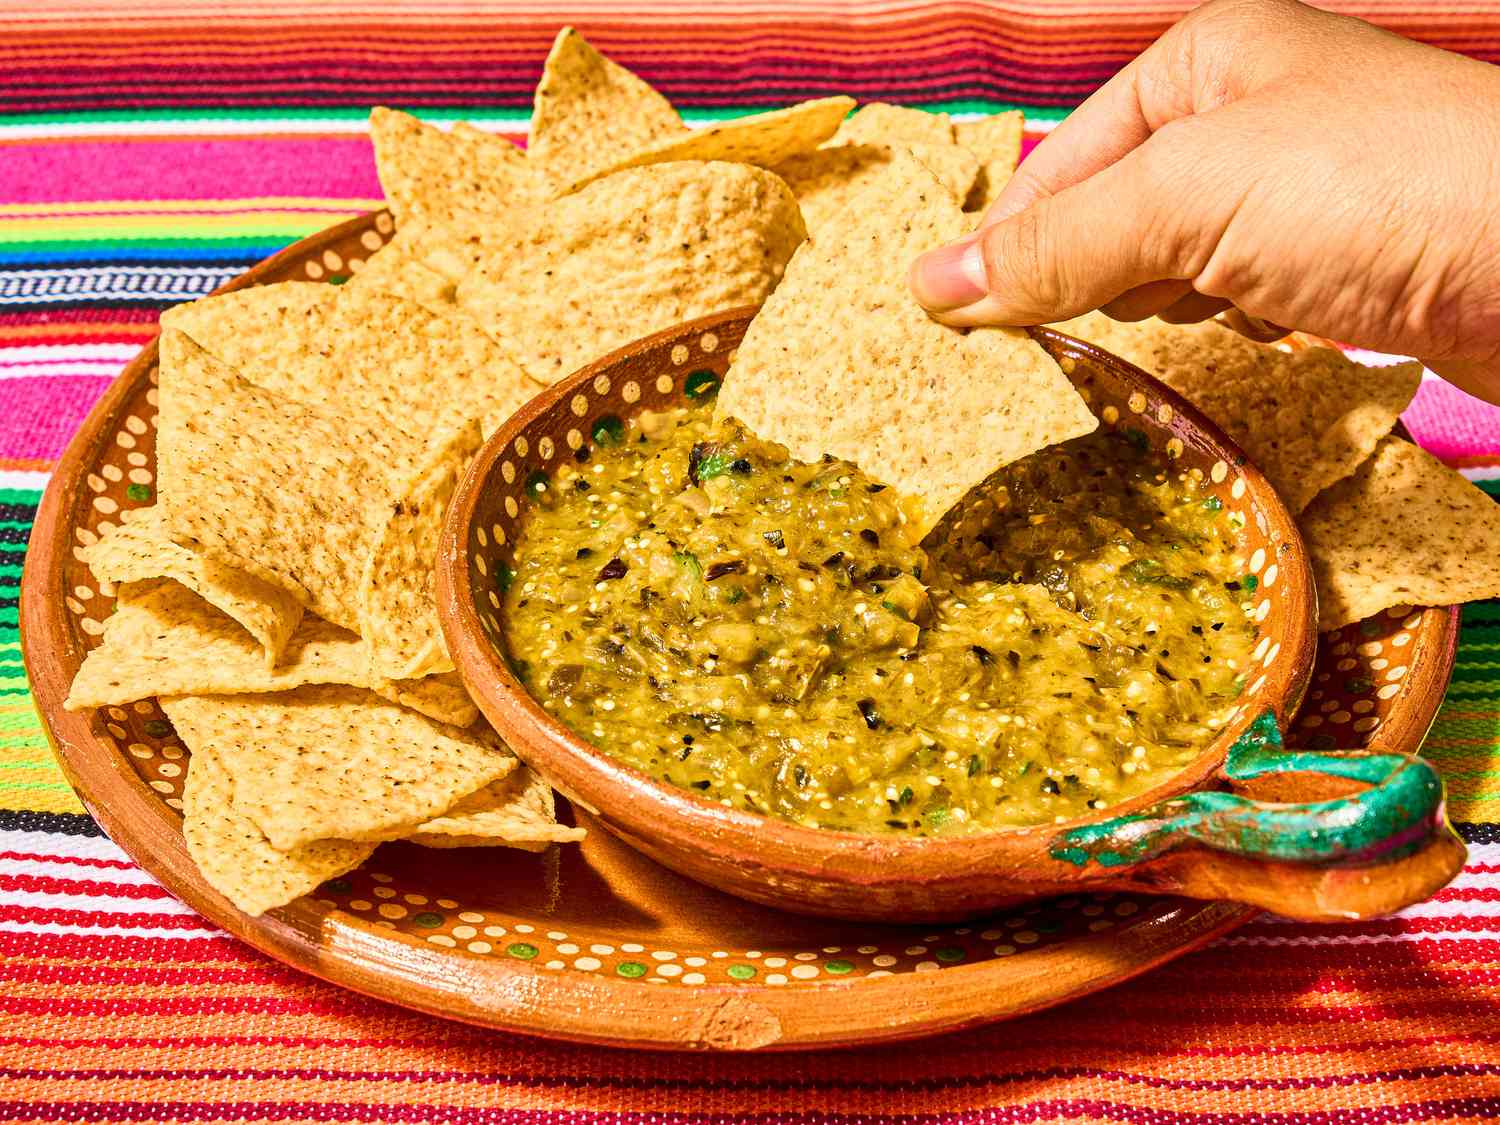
764,633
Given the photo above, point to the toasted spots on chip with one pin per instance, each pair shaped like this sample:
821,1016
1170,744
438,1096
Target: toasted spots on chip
842,360
762,139
398,603
163,639
1306,418
139,549
427,172
826,180
631,254
382,360
1403,530
271,486
323,763
515,812
234,855
996,142
881,123
590,113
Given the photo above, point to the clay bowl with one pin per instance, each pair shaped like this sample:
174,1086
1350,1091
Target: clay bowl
1322,836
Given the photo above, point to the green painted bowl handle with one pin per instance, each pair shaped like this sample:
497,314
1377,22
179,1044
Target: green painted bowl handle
1372,851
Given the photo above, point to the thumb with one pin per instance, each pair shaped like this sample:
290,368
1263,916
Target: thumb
1065,254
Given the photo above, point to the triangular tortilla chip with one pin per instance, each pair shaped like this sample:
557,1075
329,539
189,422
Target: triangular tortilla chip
842,359
429,173
139,549
234,855
397,598
163,639
826,180
631,254
996,141
382,361
881,123
762,139
1307,418
591,112
1403,530
335,763
257,481
514,812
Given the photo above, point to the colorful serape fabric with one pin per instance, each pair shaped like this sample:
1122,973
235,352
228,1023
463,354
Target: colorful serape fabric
149,152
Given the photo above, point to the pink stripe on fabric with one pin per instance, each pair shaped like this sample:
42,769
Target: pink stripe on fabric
42,413
84,171
1453,425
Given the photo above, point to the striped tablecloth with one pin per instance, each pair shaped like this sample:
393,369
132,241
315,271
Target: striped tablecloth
148,152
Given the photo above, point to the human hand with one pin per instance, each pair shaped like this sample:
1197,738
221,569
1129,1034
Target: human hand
1307,168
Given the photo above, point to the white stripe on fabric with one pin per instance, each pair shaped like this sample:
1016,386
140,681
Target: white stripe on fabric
114,283
56,843
68,353
59,869
41,900
26,479
112,931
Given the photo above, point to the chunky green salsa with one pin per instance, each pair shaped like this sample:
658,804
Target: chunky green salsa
764,632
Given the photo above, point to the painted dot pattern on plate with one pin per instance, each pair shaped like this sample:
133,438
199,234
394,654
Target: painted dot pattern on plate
1362,674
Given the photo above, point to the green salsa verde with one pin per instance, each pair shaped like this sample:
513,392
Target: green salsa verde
763,632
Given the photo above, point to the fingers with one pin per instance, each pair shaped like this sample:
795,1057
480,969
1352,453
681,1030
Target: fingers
1252,327
1124,227
1193,308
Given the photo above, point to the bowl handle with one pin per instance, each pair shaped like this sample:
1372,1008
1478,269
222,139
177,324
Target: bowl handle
1382,844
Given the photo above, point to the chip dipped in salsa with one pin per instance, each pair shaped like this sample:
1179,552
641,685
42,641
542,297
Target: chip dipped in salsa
765,632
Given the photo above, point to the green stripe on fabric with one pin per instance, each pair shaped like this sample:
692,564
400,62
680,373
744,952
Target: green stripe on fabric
32,496
514,121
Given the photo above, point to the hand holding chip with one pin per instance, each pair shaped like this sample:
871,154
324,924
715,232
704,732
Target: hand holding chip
1306,169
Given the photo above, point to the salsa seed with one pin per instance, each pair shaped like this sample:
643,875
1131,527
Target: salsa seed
611,570
870,536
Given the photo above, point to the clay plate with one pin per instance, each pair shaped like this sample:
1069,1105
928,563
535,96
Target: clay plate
598,944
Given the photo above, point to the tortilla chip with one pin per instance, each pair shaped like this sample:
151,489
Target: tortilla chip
632,254
590,113
842,360
881,123
163,639
335,763
996,141
234,855
380,360
271,486
139,549
1307,418
1403,530
762,139
432,174
397,597
400,268
514,812
826,180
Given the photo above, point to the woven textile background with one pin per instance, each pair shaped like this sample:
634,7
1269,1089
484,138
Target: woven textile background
148,152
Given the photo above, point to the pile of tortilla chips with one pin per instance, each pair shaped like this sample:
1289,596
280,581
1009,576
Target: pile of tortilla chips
278,597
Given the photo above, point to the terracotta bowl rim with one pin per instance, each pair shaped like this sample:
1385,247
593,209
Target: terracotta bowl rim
496,684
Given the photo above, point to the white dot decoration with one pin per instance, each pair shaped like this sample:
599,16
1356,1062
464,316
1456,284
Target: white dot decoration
601,384
1137,403
315,273
1110,414
370,240
574,439
1219,473
545,448
1237,489
521,446
510,507
1164,414
332,261
679,355
709,343
384,223
1174,448
664,384
507,472
631,391
1258,559
579,405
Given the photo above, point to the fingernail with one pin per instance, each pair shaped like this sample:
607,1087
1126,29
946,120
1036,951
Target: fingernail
951,276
